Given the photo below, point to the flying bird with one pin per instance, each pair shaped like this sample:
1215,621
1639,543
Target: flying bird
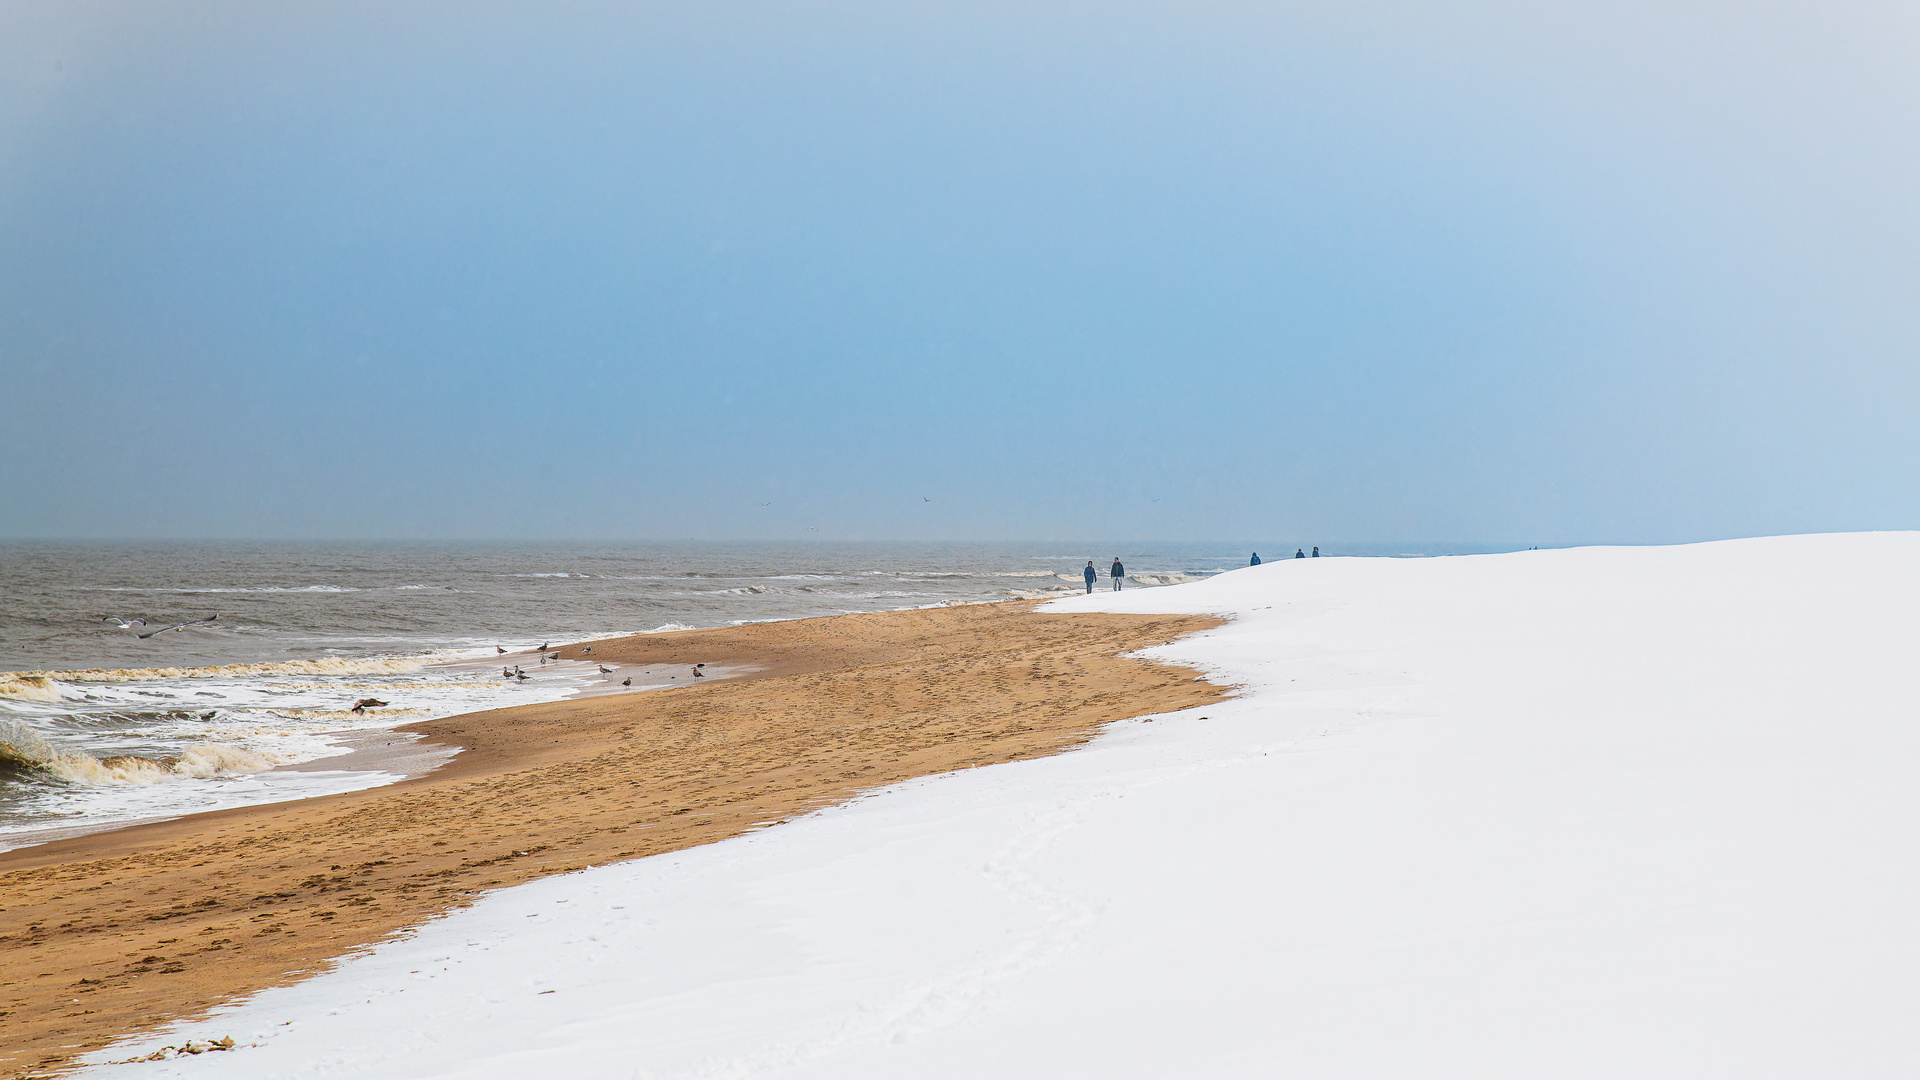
764,505
124,624
180,626
366,703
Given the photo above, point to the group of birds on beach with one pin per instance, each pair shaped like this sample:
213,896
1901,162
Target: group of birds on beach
515,674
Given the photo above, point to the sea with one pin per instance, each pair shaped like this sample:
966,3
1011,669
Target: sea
148,680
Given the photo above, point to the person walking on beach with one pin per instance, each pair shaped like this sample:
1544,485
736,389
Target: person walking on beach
1256,559
1299,553
1316,551
1091,574
1117,572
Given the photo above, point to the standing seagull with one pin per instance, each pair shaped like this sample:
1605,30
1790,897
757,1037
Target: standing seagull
605,670
181,626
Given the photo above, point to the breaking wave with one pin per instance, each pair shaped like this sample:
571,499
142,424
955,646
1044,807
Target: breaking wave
23,747
29,687
327,666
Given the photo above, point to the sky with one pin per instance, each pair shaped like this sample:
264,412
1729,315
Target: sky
1542,273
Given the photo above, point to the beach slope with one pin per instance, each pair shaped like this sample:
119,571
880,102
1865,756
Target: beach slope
113,933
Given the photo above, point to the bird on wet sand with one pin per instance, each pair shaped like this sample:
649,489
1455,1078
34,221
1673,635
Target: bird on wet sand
555,656
500,650
605,670
697,672
543,646
586,650
628,681
522,676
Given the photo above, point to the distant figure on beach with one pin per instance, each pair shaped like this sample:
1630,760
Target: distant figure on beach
1091,574
1299,553
1256,559
1116,572
1316,551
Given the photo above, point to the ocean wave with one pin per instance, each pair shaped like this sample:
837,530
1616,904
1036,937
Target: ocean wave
1036,594
1026,573
29,687
668,628
1161,579
325,666
23,747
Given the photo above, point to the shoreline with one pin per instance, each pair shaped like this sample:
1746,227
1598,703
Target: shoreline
116,932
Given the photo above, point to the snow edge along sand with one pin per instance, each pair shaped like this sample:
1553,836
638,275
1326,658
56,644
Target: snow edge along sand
1591,812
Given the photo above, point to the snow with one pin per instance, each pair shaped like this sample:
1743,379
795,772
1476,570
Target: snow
1605,812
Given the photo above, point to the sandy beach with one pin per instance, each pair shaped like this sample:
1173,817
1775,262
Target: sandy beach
119,932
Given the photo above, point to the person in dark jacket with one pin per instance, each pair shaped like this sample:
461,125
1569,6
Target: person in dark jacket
1316,552
1299,553
1091,574
1117,572
1256,559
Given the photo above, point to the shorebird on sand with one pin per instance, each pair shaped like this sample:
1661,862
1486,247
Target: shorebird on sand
605,670
628,682
500,650
586,650
522,676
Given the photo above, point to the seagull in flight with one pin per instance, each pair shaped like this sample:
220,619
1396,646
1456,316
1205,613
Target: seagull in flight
180,626
764,505
124,624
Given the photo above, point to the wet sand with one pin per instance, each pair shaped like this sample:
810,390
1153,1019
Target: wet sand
116,932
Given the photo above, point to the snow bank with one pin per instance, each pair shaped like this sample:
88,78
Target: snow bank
1605,812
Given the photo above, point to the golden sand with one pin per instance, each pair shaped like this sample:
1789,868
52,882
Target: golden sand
113,933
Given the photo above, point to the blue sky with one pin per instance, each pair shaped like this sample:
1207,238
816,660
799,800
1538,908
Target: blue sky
1537,273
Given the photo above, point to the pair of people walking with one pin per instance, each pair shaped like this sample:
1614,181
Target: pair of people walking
1116,572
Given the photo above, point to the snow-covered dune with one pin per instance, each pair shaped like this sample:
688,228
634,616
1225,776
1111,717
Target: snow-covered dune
1608,812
